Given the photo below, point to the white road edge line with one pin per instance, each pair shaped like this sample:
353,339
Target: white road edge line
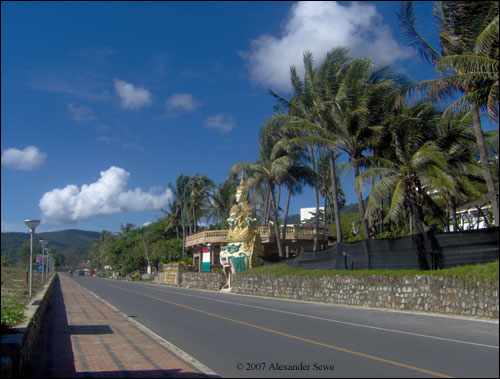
169,346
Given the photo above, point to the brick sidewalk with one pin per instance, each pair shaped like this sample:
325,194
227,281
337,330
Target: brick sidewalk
82,337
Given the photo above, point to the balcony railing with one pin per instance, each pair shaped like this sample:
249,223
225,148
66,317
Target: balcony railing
266,234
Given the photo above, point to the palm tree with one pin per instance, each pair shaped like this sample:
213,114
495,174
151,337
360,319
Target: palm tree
127,228
221,200
306,108
273,168
363,99
198,194
469,43
298,174
173,216
180,192
417,169
325,184
455,137
99,250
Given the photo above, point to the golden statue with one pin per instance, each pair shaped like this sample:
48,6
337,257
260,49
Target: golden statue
244,245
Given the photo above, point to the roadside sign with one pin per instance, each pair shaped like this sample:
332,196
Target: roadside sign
205,263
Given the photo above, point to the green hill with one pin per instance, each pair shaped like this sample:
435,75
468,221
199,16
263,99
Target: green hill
73,244
351,208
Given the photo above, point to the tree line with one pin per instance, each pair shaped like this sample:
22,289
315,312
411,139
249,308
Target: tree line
417,155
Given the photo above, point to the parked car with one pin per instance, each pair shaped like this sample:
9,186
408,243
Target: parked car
81,273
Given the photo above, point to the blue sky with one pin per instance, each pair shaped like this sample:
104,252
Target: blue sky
105,103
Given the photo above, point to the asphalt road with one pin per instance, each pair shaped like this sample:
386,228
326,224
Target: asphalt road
247,336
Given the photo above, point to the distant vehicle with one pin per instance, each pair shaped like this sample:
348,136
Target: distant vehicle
81,273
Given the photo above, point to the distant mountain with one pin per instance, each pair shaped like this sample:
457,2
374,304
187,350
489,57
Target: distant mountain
351,208
70,243
80,240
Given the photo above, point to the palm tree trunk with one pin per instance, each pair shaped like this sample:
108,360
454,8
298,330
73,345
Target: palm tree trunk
454,214
186,213
420,224
267,206
488,176
447,225
276,225
381,216
325,207
183,232
194,221
411,222
283,241
361,205
335,199
279,199
316,198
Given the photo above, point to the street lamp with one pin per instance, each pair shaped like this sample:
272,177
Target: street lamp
49,266
31,224
43,243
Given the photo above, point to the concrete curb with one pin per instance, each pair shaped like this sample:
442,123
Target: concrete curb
17,347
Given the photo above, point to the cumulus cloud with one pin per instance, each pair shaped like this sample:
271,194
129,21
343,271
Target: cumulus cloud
181,102
132,97
320,26
28,159
108,195
80,114
220,122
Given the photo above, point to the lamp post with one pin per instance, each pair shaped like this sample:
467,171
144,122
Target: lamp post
48,263
43,243
31,224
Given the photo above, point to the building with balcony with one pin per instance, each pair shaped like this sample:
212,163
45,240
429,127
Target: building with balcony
473,215
297,239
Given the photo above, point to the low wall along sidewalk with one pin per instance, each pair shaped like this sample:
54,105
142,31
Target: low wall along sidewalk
16,348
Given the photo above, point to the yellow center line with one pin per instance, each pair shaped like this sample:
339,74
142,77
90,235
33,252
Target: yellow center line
394,363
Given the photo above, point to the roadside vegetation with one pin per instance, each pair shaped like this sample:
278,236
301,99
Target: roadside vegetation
15,294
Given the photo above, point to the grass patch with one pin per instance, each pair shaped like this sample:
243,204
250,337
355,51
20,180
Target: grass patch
488,272
15,294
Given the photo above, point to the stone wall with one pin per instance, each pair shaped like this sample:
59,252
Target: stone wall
437,294
172,274
203,280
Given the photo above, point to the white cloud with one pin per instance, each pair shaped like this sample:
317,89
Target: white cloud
221,122
320,26
132,97
28,159
181,102
80,114
109,195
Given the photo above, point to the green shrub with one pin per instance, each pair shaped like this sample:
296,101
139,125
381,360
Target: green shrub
12,313
135,275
